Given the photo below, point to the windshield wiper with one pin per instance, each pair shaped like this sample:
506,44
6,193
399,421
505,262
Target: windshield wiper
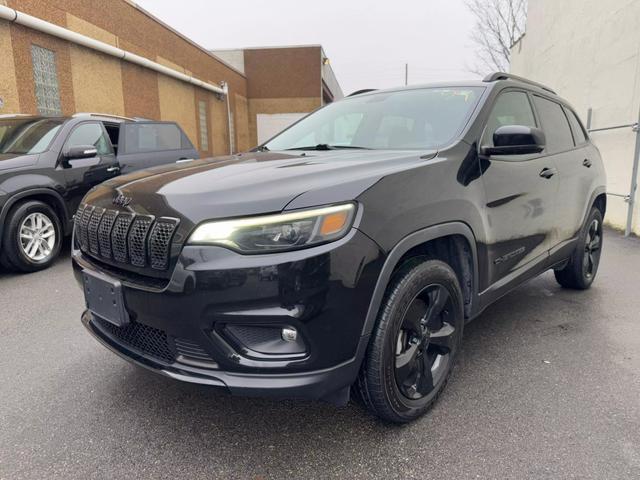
326,146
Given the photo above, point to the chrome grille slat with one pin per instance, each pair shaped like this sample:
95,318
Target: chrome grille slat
141,241
104,232
119,237
137,240
84,224
92,230
160,241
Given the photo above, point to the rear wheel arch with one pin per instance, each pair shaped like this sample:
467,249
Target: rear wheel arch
45,195
454,243
600,202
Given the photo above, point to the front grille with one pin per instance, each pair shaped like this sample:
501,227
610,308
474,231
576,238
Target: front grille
143,338
125,238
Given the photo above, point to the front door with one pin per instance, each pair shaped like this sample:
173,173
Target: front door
84,173
520,197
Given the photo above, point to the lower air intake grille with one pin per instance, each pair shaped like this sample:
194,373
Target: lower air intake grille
143,338
191,349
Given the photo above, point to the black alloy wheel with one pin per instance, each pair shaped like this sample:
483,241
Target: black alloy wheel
414,344
582,267
423,345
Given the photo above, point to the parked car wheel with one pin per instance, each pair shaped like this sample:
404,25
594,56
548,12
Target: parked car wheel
32,237
414,345
582,268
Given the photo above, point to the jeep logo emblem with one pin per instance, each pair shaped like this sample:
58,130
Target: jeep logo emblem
121,201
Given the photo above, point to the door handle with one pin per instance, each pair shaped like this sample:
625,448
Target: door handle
587,163
548,172
113,169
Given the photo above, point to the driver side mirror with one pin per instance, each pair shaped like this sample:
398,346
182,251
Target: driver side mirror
515,140
80,151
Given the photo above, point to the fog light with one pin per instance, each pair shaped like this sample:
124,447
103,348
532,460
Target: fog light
289,334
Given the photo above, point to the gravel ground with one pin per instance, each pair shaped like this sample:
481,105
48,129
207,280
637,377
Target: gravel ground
547,386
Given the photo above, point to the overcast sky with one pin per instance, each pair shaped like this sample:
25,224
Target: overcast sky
368,41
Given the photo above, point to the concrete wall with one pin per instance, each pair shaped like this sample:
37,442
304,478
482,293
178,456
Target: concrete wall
589,52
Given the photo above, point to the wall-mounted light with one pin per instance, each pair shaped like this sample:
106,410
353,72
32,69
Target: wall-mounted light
325,61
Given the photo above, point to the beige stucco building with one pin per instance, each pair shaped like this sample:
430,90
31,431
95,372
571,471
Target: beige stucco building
140,67
589,52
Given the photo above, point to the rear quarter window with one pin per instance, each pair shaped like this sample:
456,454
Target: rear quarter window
579,134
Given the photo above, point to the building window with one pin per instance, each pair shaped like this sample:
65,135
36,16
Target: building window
45,77
204,132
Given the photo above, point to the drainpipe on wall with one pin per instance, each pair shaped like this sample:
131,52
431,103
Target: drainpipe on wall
229,120
40,25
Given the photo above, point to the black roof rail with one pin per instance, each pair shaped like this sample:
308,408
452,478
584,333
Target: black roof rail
364,90
492,77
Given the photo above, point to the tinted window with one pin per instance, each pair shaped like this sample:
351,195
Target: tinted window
27,136
555,125
576,127
511,108
90,134
153,137
407,119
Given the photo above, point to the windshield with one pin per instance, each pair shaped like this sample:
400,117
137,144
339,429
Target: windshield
423,118
28,135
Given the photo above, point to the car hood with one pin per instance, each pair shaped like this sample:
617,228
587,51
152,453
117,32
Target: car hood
15,160
251,183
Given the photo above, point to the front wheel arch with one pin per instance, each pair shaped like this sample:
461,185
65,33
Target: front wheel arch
417,240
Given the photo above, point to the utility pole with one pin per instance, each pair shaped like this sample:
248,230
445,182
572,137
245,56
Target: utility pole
406,74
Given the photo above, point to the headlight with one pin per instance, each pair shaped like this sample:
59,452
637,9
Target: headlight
273,233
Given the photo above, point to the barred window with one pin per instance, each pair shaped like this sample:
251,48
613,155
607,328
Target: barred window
204,132
45,77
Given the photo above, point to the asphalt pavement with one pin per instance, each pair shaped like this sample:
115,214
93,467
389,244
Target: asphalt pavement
547,387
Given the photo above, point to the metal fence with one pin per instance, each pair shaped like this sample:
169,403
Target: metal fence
628,197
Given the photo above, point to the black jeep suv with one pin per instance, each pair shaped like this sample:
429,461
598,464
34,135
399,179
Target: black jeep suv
349,250
47,164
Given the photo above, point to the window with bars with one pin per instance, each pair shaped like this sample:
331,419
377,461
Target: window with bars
204,132
45,77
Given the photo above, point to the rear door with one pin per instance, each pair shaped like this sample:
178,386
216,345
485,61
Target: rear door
84,173
574,165
520,195
149,144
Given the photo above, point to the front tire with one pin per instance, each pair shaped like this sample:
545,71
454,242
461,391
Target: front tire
582,268
414,345
32,237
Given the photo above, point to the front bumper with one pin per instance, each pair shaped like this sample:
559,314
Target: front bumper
181,329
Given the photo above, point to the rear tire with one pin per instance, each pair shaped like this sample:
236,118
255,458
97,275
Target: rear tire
32,237
582,268
414,345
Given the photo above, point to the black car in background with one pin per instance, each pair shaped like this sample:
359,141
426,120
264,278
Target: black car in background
47,164
348,251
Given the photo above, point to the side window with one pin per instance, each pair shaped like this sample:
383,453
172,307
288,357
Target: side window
90,134
511,108
579,134
555,125
153,137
